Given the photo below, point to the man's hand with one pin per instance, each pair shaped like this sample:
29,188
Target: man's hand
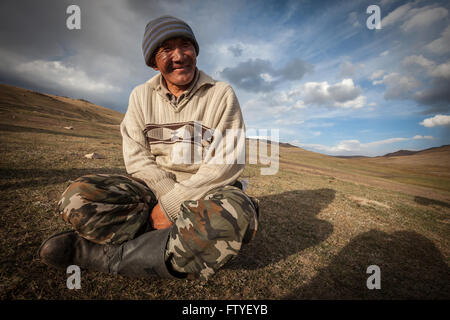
158,219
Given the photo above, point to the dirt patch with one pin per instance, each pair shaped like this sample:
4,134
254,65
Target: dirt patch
366,202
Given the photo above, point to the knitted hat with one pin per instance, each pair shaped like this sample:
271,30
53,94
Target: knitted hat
159,30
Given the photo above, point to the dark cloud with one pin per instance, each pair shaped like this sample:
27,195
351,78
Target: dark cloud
236,50
106,51
29,28
424,80
258,75
436,97
294,70
344,93
399,86
247,75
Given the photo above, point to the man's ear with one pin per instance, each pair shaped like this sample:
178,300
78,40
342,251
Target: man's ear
153,63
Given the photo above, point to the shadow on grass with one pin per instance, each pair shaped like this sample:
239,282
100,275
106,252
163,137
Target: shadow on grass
411,268
288,224
12,179
428,202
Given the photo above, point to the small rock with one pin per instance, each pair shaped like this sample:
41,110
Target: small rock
244,183
68,128
93,156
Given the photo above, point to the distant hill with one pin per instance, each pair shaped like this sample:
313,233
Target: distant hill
350,157
25,103
401,153
281,144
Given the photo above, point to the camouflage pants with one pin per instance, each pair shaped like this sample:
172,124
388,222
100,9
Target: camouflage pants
111,209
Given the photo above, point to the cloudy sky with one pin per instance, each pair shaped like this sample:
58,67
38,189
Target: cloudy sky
311,69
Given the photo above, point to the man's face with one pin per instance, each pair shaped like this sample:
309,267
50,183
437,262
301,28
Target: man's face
176,59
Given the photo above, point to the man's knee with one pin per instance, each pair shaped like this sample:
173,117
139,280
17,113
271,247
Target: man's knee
211,231
106,208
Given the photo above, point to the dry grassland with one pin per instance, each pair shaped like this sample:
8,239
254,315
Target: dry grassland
324,220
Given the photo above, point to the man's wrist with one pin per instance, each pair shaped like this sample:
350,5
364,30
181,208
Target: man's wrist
163,186
165,212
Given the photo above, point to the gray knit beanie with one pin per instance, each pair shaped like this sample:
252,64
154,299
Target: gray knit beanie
159,30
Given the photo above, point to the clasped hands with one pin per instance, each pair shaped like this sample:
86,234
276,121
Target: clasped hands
158,219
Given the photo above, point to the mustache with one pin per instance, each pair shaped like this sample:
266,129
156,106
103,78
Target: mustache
185,64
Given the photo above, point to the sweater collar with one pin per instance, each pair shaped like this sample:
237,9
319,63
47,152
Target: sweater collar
155,83
171,97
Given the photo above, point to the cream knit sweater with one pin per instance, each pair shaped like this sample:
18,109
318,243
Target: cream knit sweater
150,129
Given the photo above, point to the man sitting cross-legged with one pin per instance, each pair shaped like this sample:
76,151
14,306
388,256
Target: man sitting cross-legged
171,218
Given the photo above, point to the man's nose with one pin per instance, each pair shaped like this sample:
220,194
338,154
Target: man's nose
178,54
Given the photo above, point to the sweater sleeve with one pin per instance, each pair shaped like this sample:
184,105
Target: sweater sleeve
139,161
222,163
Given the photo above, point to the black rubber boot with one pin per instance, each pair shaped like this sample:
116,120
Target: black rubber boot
140,257
143,256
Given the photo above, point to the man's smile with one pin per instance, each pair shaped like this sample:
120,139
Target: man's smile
182,68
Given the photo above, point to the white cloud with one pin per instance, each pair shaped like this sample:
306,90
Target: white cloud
266,77
396,15
398,86
354,146
319,124
442,44
377,74
289,122
437,120
343,94
424,18
357,103
419,137
441,71
384,53
420,61
299,104
414,18
353,19
55,73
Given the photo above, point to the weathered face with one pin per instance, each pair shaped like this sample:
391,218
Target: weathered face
176,59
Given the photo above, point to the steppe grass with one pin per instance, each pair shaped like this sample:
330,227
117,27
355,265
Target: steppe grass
318,231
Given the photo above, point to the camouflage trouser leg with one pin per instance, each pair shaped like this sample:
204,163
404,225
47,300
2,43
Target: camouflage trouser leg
210,231
107,208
